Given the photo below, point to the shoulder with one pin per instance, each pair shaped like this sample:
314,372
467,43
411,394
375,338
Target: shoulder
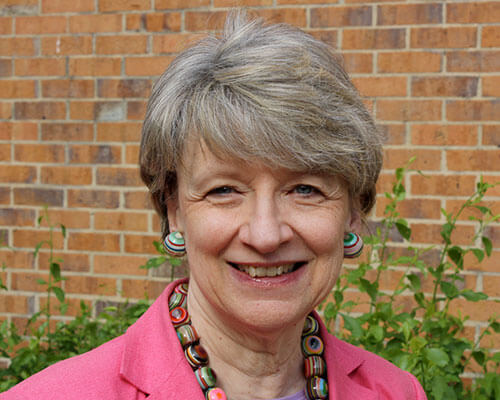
374,373
92,375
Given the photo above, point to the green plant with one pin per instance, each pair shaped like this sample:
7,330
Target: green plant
157,261
426,340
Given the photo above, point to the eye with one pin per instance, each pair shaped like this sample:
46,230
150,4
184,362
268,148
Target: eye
305,190
221,190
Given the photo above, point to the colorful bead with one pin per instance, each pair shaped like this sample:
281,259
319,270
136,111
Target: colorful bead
177,300
179,316
316,388
182,288
215,394
353,245
174,244
312,346
196,355
205,377
314,366
311,326
187,335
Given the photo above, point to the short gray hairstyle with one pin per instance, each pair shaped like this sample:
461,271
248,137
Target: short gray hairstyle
261,91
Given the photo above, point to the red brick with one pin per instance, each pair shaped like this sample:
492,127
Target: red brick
5,68
491,135
18,131
40,110
119,265
358,62
414,208
147,66
38,197
6,25
329,37
18,259
204,20
491,86
444,135
473,110
453,206
71,219
40,66
90,285
5,110
17,89
133,288
67,175
94,241
119,132
91,154
124,5
17,46
118,176
135,22
30,238
249,3
136,110
292,16
17,216
39,153
67,88
373,39
381,86
121,221
473,12
67,45
4,195
473,160
393,133
124,88
473,61
456,86
14,304
70,261
490,36
67,132
122,44
450,37
180,4
162,22
341,16
140,244
95,23
409,14
96,110
17,174
132,154
41,25
480,311
93,198
443,185
425,159
139,200
174,42
62,6
431,233
408,110
5,151
101,66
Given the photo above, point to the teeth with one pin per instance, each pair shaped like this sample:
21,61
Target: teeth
265,271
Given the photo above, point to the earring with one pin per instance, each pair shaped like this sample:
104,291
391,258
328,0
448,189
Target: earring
353,245
174,244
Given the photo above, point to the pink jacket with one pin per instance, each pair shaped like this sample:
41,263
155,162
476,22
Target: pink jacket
147,361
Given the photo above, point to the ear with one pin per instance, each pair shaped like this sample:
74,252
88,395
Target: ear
172,203
353,223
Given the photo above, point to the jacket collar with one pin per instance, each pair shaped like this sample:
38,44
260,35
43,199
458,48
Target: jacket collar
153,360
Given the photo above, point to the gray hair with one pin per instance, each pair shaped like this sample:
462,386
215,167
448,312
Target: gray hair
260,91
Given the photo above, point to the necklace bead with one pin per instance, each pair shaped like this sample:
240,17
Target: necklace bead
312,348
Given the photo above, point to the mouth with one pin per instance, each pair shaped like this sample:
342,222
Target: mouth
269,271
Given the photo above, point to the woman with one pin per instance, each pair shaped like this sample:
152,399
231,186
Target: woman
261,160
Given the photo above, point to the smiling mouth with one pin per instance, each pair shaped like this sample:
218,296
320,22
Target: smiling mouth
260,272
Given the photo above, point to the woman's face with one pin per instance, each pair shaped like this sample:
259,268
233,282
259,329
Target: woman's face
264,245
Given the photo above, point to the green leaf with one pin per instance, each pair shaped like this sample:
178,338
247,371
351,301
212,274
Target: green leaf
437,356
479,356
446,230
473,296
496,327
377,332
488,246
484,210
456,255
403,230
41,282
59,293
339,297
414,281
353,325
329,311
449,289
63,230
479,254
55,271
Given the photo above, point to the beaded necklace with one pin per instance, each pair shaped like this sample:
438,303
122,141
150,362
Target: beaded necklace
312,348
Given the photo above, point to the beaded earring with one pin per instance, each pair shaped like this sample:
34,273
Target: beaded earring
353,245
174,244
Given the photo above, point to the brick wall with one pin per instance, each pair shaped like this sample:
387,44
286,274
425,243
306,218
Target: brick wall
75,76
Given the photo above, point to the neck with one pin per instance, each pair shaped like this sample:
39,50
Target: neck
250,364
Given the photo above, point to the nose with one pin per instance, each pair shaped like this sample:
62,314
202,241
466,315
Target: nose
265,229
